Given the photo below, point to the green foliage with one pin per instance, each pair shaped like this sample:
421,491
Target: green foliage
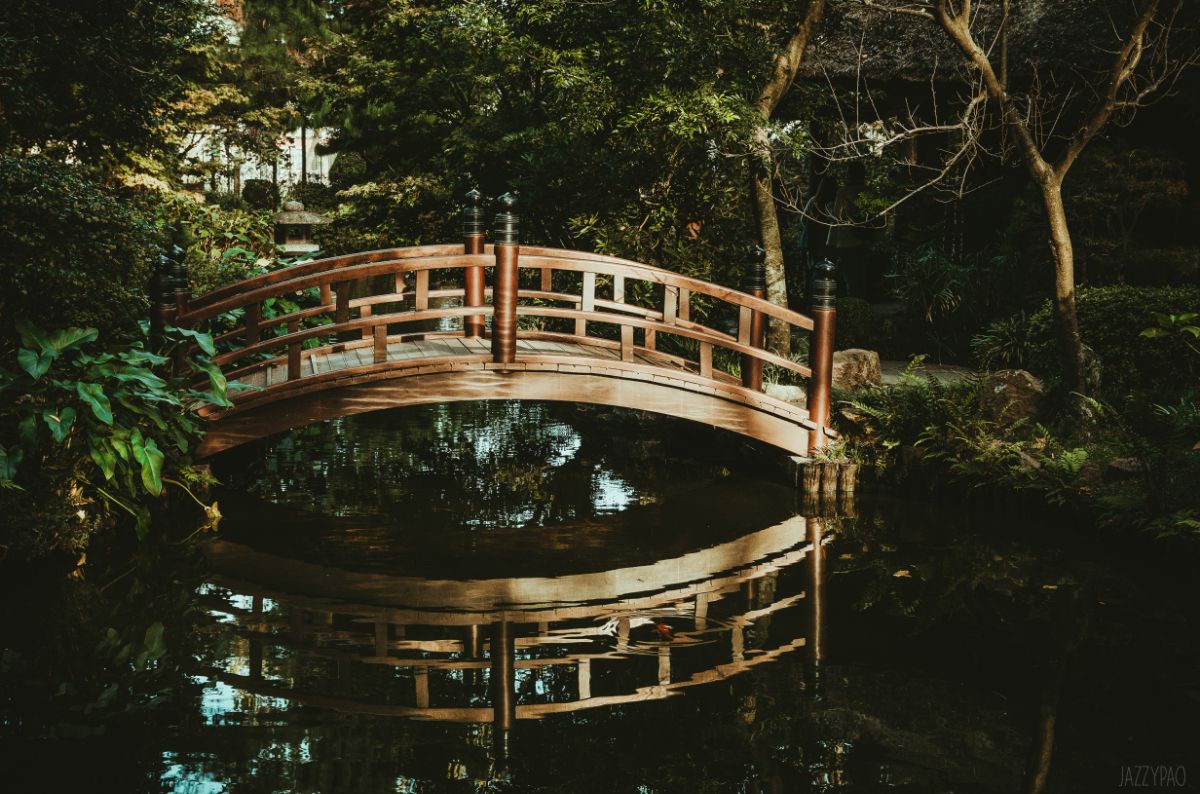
924,431
1121,199
621,125
945,300
225,201
94,81
260,194
72,252
97,424
348,169
1185,327
1004,344
315,196
1111,320
223,246
857,325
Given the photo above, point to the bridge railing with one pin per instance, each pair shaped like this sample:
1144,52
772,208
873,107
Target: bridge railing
643,314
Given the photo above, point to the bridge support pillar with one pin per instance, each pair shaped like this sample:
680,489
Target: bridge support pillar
504,291
820,355
473,239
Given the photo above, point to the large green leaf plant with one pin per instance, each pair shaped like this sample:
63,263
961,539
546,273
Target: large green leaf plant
105,421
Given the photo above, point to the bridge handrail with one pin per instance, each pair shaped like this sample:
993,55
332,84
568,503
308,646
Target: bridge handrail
304,276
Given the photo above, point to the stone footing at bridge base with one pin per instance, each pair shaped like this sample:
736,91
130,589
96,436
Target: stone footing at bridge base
826,487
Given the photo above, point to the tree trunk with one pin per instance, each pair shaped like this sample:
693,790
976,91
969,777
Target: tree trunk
303,151
778,333
1070,343
783,74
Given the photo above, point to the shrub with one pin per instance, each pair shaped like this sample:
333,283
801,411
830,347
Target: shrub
857,325
314,196
260,194
945,301
1111,320
88,432
71,251
225,200
223,245
349,168
1005,344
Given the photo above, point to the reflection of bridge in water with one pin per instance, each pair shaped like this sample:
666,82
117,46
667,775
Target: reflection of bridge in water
420,325
500,650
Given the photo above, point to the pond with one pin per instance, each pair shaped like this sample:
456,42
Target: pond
547,597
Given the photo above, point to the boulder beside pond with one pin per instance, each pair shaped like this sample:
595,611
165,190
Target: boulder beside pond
1010,395
855,369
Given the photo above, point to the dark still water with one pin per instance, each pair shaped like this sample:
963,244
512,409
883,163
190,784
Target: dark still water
536,597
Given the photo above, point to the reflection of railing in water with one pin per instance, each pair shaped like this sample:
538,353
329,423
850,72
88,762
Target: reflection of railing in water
448,634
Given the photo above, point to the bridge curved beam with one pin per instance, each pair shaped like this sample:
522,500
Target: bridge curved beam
461,379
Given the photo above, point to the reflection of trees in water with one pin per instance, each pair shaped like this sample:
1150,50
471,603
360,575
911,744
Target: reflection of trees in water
482,464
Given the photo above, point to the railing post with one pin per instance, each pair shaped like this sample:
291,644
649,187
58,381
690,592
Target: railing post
755,284
473,237
504,292
162,294
820,354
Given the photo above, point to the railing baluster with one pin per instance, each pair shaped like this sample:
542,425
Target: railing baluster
341,310
326,295
588,302
649,339
745,320
618,289
294,360
547,279
706,360
380,346
627,343
251,320
685,305
365,311
670,304
421,296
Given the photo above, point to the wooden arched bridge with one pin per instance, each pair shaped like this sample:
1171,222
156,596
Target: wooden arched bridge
406,326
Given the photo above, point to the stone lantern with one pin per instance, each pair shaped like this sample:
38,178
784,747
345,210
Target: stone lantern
294,229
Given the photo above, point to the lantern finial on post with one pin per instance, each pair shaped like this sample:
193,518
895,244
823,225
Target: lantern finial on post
824,313
472,213
755,280
508,224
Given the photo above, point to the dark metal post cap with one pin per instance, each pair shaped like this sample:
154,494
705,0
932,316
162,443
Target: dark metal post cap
472,213
162,281
824,285
507,227
756,269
